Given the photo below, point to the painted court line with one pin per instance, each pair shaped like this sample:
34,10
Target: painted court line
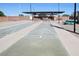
10,39
70,42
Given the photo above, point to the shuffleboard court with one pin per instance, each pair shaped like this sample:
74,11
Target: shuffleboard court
6,31
42,41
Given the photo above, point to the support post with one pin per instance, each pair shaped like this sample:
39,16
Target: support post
74,17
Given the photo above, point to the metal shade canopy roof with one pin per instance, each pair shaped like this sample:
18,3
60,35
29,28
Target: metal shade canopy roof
44,12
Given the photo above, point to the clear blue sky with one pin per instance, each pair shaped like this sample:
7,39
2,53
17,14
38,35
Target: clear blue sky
14,9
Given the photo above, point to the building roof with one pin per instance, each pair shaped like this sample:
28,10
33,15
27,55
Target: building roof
44,12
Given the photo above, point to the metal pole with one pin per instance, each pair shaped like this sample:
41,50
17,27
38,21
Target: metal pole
58,11
31,10
74,17
30,7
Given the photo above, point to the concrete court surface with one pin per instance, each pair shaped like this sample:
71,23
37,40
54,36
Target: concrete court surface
41,40
68,39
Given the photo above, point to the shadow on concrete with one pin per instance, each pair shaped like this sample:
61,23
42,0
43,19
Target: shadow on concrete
63,29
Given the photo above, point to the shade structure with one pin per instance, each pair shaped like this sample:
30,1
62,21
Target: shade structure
44,12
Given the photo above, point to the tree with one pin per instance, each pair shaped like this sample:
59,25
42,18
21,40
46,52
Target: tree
65,15
72,15
21,15
1,13
43,15
77,16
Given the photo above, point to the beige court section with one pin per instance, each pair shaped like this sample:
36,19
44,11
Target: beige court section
12,38
8,24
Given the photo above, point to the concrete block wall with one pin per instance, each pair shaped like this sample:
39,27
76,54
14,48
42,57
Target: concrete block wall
14,18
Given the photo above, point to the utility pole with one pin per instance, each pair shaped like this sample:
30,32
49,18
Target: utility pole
74,17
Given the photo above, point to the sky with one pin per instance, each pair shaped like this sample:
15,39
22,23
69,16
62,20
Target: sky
14,9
